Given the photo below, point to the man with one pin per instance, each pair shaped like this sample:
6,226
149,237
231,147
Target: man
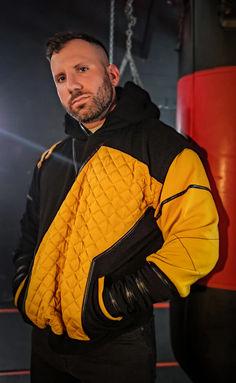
119,216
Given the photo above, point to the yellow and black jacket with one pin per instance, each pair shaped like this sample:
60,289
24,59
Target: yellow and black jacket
115,221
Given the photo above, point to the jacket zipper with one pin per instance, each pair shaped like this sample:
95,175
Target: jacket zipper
78,171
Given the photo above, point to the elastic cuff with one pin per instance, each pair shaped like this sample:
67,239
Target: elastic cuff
110,303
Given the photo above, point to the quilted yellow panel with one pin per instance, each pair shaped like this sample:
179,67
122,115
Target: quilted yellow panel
110,194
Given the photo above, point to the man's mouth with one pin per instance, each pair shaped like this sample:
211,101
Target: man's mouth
79,100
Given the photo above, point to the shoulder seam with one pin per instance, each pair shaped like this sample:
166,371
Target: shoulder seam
47,154
179,195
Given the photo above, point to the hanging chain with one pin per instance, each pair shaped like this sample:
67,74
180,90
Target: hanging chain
112,27
131,23
128,58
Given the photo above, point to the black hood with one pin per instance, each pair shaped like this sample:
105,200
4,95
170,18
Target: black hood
134,105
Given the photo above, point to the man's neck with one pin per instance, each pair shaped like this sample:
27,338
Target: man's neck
98,126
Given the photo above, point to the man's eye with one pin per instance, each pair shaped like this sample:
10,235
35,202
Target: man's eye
61,79
83,69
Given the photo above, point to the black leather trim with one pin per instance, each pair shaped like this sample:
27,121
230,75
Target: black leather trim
125,257
166,281
23,296
179,195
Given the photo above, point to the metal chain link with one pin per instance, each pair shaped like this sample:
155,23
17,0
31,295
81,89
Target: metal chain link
131,23
128,58
112,27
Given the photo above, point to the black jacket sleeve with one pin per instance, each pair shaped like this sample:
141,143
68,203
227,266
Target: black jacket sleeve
138,291
24,253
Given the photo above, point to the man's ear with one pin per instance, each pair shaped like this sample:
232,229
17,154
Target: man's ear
114,74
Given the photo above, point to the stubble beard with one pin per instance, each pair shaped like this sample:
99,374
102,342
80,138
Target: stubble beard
98,104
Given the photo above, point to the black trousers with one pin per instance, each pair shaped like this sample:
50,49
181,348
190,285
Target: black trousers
129,358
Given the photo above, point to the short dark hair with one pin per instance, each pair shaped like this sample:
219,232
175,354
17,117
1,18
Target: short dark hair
59,40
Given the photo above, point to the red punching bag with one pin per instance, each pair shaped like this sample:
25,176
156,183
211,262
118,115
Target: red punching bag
206,112
203,325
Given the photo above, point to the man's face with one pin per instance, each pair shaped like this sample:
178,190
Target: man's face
84,79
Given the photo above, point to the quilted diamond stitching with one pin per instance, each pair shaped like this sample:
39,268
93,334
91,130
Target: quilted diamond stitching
108,197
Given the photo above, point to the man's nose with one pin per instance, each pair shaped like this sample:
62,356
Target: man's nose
73,83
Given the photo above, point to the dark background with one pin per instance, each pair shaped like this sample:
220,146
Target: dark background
31,120
31,117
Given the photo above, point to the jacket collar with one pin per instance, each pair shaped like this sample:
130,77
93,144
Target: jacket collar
133,106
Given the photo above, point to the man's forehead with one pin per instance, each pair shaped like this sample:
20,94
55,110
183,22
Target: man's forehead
78,49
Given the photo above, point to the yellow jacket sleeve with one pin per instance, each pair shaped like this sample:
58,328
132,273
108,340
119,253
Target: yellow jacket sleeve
188,219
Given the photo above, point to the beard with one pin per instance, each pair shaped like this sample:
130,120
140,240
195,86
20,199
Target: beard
96,106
